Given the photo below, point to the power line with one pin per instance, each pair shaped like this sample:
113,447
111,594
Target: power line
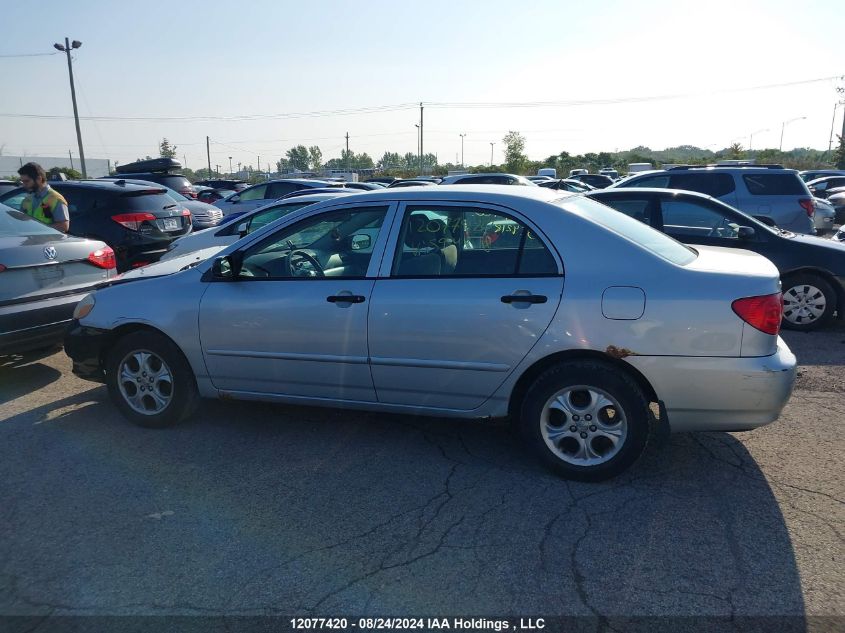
14,55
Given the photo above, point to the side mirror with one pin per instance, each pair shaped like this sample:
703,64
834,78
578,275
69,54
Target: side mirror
746,232
222,269
242,229
227,268
361,242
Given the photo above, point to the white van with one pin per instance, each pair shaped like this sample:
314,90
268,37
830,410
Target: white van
551,172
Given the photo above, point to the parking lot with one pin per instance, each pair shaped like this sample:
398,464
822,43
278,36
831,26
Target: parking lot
259,509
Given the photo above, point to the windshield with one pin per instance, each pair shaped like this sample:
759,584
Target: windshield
16,223
633,230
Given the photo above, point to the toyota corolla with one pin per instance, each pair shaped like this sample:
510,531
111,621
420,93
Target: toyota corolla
569,318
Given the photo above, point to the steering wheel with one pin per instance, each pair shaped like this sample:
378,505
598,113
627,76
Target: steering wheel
297,255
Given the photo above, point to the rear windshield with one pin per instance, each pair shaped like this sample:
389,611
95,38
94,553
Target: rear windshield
141,201
775,185
174,181
634,230
15,223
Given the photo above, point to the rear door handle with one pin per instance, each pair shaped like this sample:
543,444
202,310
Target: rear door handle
346,299
525,299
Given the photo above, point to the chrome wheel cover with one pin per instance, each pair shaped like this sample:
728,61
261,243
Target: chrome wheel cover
583,425
145,382
803,304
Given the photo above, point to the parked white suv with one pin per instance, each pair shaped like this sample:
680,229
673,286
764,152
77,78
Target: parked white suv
770,193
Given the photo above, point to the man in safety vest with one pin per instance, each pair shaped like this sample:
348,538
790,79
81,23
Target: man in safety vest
42,202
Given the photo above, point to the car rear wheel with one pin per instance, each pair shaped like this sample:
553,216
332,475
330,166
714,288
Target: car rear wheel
150,380
586,420
808,302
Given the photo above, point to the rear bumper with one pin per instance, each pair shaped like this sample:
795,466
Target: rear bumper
85,346
720,394
36,324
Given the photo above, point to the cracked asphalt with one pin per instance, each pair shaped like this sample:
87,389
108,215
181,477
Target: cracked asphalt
260,509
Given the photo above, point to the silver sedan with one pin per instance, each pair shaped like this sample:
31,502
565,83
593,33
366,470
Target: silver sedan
464,301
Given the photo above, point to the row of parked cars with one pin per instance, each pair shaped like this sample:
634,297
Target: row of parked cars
570,313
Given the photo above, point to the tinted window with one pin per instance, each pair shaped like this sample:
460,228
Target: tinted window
682,218
444,241
14,200
637,232
254,193
774,184
484,180
712,184
637,209
267,216
660,181
81,200
143,202
279,189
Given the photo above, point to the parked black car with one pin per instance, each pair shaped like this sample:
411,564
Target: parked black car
137,222
599,181
566,184
812,269
220,183
159,170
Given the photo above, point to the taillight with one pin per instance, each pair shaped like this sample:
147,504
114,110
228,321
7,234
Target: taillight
188,193
103,258
133,221
764,312
808,205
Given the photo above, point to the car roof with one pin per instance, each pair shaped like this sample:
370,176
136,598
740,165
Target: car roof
102,184
293,180
826,178
492,194
632,191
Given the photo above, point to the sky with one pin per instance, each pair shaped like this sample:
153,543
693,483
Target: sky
236,72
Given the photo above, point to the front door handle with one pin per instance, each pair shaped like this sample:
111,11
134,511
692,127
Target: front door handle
525,299
346,299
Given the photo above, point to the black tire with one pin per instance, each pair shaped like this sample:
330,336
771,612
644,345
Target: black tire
185,396
641,426
809,280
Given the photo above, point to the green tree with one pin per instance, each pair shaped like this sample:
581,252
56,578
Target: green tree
390,160
298,157
839,154
315,158
282,165
166,150
71,174
515,157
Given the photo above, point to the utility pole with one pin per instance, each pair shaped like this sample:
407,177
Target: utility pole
70,155
184,161
347,152
217,170
462,150
491,154
208,153
785,123
419,155
230,165
259,164
66,49
422,151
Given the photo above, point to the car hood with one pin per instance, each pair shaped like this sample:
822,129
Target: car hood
160,269
820,242
195,206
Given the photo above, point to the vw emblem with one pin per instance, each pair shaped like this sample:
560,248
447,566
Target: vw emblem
50,252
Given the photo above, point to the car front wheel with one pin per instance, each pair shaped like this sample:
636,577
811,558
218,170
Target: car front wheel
150,380
586,420
808,302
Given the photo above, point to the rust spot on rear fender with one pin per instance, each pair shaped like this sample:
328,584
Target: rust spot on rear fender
619,352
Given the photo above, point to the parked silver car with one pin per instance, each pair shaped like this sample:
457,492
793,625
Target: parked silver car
771,194
470,302
43,275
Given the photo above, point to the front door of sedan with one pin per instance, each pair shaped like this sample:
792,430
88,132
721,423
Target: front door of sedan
292,320
467,293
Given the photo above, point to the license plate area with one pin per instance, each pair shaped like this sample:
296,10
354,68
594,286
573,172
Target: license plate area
169,224
48,275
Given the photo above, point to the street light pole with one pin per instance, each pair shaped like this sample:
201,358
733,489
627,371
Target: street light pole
491,154
462,150
230,165
783,127
419,155
66,49
751,138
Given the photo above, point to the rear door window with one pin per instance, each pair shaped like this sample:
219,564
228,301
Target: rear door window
254,193
637,208
683,219
712,184
774,185
79,200
278,189
660,181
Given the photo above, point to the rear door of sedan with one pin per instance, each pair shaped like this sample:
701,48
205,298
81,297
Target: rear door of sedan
462,297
